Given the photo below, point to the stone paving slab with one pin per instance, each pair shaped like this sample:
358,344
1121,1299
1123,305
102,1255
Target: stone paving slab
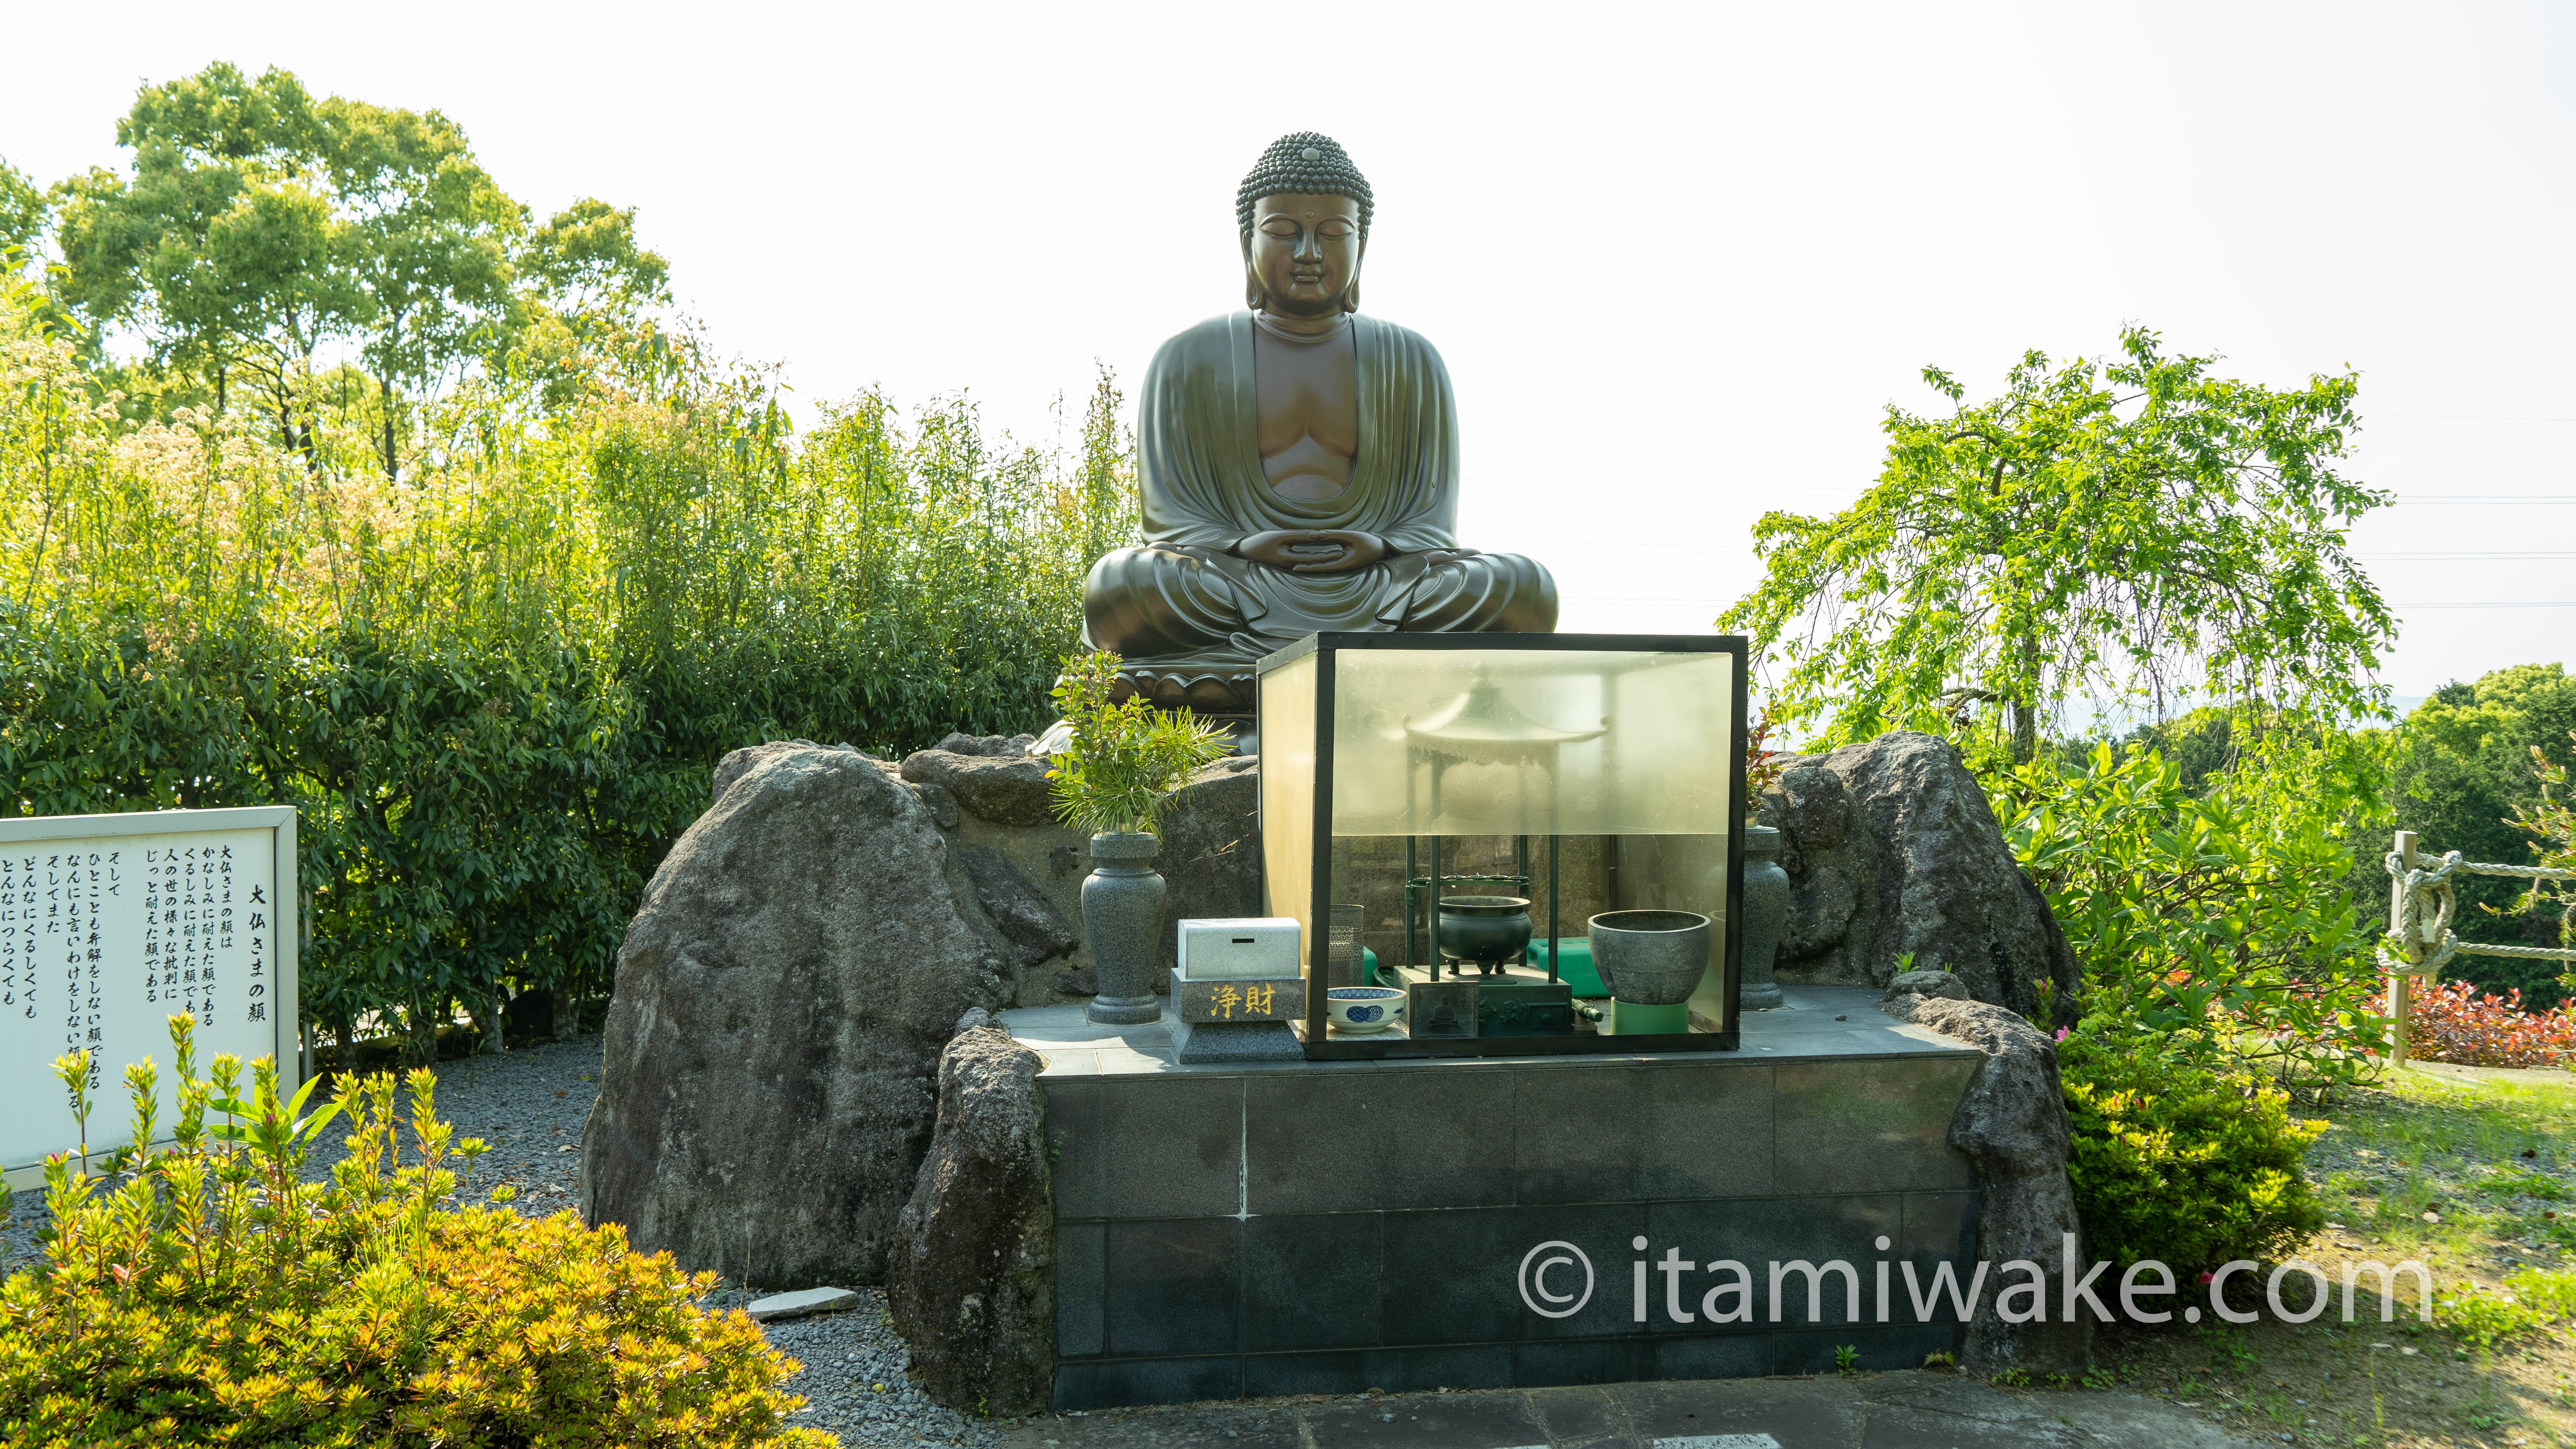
1873,1411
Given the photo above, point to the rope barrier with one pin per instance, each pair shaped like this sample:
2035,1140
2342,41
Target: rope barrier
2518,872
2422,941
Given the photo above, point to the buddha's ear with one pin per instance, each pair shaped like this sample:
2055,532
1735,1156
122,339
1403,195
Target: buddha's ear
1253,296
1351,293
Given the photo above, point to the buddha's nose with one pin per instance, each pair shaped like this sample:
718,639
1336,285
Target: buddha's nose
1310,248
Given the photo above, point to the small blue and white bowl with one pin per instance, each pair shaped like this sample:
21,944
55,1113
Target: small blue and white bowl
1364,1008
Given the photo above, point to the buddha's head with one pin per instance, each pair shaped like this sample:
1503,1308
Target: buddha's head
1304,214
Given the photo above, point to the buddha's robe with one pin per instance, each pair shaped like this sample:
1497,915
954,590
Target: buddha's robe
1191,619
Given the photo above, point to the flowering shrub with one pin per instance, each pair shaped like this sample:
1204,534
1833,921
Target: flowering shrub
203,1294
2216,921
2452,1022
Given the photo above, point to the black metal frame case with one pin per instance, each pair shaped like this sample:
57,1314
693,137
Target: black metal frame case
1317,1041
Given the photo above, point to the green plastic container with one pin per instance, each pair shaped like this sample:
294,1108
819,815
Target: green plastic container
1625,1018
1573,963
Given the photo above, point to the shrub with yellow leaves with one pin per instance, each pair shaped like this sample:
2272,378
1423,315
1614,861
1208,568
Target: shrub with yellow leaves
201,1292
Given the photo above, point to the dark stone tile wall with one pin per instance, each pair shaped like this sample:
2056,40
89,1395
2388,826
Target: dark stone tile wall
1356,1227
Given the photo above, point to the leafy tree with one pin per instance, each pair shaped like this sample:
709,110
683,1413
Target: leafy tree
261,223
2129,527
587,282
588,258
23,209
222,246
428,249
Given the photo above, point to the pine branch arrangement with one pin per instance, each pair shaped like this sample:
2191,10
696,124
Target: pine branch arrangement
1125,756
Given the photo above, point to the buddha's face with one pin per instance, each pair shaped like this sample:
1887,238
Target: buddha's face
1304,253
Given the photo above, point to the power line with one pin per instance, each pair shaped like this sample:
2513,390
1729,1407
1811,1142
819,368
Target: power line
1714,551
2476,417
2485,499
1719,602
1758,492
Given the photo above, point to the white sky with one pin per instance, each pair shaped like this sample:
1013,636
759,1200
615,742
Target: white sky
1678,259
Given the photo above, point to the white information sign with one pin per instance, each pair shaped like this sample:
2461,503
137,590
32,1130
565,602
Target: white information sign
112,924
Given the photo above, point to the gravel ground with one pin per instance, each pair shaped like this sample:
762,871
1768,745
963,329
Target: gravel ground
530,1106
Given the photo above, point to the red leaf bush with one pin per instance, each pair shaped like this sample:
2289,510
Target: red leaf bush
2452,1022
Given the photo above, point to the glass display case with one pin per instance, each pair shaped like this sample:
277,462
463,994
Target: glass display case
1534,840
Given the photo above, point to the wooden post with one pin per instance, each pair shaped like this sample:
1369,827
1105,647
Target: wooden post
2407,944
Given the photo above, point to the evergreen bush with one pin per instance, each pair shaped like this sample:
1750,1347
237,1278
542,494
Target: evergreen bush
2180,1155
204,1294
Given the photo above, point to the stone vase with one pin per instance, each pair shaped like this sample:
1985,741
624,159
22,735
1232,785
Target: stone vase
1122,915
1766,915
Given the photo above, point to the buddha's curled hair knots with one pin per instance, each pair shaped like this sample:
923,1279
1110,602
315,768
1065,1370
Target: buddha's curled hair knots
1304,162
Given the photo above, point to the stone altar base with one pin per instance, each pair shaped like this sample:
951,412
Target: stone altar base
1249,1229
1198,1043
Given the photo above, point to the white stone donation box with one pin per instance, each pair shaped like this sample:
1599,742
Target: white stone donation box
112,924
1231,948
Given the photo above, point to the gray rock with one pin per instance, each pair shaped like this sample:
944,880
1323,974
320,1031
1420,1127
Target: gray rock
738,763
1893,851
1085,982
782,997
940,803
1005,789
1926,983
800,1303
1023,914
993,745
972,1281
2013,1123
1211,856
1820,911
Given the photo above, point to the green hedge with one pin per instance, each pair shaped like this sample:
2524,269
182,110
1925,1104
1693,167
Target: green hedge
494,689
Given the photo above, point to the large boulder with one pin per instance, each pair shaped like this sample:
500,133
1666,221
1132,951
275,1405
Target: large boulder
1025,914
1893,853
782,998
971,1283
1006,789
2013,1125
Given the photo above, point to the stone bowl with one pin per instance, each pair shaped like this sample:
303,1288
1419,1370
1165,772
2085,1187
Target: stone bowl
1650,958
1487,930
1364,1008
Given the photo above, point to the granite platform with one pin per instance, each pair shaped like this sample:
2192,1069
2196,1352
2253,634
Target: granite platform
1247,1229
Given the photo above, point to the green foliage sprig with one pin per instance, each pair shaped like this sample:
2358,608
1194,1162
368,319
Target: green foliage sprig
1124,756
1763,765
203,1293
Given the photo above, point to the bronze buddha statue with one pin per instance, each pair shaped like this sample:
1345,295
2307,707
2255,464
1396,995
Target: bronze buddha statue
1299,466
